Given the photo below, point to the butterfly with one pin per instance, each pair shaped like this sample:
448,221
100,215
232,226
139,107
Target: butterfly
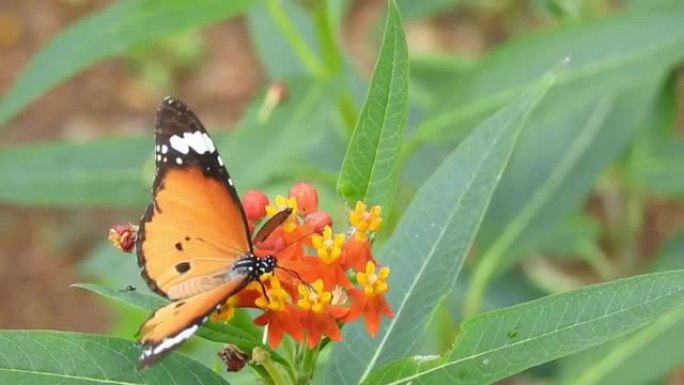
194,245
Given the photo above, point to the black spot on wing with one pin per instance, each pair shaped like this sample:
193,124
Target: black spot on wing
179,246
183,267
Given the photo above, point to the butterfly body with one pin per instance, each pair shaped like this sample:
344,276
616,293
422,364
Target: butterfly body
194,246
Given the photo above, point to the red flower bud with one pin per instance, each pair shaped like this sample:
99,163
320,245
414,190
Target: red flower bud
306,197
123,237
254,202
318,220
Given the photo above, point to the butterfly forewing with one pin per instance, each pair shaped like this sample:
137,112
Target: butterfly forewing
195,228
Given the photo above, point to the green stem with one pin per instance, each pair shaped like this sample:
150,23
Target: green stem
478,285
332,57
599,262
633,222
327,36
273,372
309,364
299,46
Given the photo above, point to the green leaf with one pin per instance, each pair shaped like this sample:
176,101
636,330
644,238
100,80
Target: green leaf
103,172
427,249
257,150
239,331
642,357
109,32
48,357
500,343
552,170
276,53
371,165
607,55
645,356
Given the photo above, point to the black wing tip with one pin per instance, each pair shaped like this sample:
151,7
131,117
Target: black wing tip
174,116
171,101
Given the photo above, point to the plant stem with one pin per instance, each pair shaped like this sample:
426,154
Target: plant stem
327,36
273,372
299,46
332,57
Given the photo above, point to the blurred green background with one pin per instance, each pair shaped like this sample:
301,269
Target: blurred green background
593,192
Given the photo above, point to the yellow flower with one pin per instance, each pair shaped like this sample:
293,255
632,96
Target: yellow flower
315,300
281,203
225,312
327,247
277,296
364,221
373,284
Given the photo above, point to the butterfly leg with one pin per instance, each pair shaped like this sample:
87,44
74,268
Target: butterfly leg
263,290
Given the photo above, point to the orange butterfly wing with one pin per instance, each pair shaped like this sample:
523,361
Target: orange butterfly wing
195,229
176,322
193,244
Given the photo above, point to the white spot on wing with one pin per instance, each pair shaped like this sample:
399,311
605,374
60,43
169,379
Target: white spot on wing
220,161
230,181
166,159
209,142
179,144
170,342
198,141
156,148
164,149
179,161
158,157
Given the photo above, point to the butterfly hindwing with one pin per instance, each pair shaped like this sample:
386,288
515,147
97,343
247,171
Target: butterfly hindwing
174,323
195,228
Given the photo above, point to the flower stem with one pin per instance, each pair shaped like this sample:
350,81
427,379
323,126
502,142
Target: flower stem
273,372
327,36
299,46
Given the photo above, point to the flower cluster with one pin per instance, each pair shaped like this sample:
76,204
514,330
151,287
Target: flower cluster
324,278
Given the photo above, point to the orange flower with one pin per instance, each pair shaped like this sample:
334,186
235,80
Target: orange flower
364,221
356,252
318,315
329,250
244,298
371,300
279,315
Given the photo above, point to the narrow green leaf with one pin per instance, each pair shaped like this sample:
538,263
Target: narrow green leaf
500,343
76,174
371,165
427,249
278,56
643,357
606,54
107,33
257,150
48,358
239,331
567,152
